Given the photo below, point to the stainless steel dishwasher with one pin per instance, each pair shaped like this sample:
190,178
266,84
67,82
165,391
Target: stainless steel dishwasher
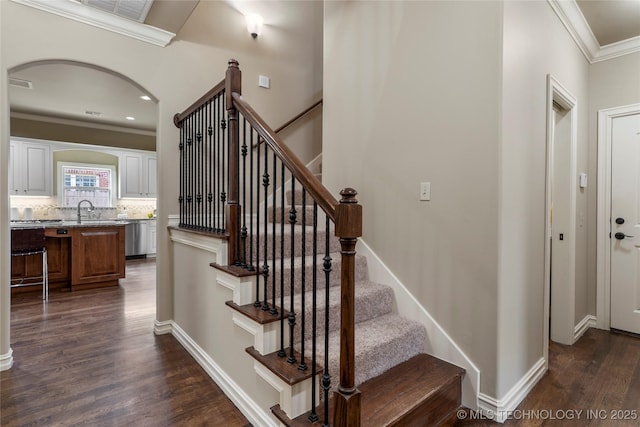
136,238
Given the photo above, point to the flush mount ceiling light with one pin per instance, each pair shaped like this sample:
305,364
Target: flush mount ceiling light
145,97
254,24
130,118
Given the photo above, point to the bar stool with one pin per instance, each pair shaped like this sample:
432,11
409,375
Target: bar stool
26,242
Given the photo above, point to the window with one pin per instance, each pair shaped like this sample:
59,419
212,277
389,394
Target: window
86,182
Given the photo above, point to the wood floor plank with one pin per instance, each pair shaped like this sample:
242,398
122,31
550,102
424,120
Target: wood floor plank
599,375
91,358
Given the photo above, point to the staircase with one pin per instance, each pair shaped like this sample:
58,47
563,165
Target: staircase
400,385
326,338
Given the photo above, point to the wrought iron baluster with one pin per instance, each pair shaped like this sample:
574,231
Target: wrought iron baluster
218,167
265,265
303,366
257,302
282,352
250,267
313,416
225,161
292,313
182,173
190,172
210,167
273,310
243,231
198,176
326,378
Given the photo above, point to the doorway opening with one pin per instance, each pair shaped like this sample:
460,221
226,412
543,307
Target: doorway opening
560,216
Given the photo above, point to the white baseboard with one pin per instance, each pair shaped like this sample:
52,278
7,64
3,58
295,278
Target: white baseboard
256,415
439,344
162,327
589,321
499,410
6,360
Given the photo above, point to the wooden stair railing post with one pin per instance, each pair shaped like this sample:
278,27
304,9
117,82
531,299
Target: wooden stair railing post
233,83
348,227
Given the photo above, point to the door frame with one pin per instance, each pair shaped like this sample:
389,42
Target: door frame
603,226
564,308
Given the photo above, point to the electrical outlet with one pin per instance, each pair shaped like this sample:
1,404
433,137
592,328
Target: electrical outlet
425,191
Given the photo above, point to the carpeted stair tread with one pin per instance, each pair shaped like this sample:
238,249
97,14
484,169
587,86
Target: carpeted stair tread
334,275
380,344
372,300
252,247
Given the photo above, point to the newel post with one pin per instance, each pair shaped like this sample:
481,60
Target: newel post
233,83
348,229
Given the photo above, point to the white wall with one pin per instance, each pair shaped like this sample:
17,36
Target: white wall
411,94
535,44
177,75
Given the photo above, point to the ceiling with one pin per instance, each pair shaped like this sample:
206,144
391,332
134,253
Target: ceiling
612,21
68,91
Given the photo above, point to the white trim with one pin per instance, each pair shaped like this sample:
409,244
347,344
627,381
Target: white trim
603,226
231,389
162,327
173,220
583,326
563,315
6,360
97,18
499,409
439,343
207,243
577,26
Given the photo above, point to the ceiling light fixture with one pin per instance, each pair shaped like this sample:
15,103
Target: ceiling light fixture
254,24
146,97
130,118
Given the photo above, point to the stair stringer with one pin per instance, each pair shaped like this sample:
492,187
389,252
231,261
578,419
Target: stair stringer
438,344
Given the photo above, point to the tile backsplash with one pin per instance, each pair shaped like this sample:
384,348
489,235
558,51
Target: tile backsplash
47,208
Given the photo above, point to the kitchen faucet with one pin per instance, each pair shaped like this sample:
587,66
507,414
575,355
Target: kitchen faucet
89,210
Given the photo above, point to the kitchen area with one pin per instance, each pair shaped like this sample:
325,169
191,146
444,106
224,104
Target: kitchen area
91,207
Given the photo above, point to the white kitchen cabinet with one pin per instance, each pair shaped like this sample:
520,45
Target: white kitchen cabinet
30,169
138,175
152,237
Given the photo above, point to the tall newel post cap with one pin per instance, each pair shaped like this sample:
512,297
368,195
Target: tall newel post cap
233,63
348,195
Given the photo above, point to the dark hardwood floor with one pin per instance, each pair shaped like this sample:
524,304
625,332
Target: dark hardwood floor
595,382
91,358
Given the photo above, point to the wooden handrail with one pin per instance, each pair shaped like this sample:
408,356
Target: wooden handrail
318,192
178,118
293,120
298,116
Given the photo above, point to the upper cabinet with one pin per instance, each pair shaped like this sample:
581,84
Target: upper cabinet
30,169
138,175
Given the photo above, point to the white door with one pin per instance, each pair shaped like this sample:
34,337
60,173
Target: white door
625,223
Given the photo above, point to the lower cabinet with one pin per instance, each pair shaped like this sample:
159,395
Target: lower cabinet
78,258
97,256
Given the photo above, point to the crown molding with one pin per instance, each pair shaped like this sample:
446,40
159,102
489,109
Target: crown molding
575,23
97,18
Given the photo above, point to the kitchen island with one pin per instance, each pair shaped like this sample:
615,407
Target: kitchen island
80,256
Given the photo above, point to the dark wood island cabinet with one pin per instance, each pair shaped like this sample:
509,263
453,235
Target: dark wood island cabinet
79,256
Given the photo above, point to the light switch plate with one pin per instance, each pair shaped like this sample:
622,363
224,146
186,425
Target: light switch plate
264,81
425,191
